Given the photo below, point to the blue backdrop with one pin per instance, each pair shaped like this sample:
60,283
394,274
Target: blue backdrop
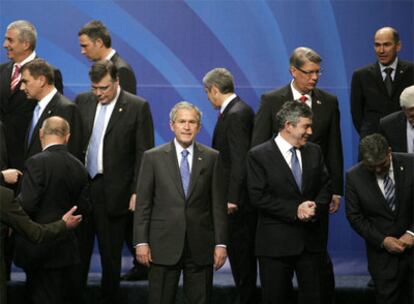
172,44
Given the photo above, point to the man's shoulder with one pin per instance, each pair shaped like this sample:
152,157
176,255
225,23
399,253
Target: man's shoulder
407,158
120,62
85,97
5,65
133,99
205,149
276,94
392,118
366,68
327,97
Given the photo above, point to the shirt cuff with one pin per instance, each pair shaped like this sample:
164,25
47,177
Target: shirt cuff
141,244
221,245
410,232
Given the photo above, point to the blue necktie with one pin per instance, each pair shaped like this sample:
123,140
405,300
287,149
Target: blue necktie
389,191
95,141
35,119
296,170
185,171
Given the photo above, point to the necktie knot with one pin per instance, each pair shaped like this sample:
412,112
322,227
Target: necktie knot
303,99
15,77
184,153
388,71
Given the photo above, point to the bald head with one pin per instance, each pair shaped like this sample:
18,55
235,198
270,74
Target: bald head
387,44
55,130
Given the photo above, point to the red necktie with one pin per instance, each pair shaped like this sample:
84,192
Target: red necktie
303,99
15,77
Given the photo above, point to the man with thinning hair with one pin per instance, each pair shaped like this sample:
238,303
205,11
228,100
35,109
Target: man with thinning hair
289,185
376,88
380,207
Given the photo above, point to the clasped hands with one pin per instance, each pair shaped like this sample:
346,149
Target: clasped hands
306,211
398,245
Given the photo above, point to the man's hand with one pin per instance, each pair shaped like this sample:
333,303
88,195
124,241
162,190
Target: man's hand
220,256
72,221
334,204
393,245
407,239
11,176
143,254
132,202
306,211
231,208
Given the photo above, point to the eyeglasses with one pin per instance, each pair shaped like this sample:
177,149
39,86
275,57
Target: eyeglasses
310,73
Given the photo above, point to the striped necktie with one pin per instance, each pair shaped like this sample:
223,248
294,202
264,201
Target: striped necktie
389,192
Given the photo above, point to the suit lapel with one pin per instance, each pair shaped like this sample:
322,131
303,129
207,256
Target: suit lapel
399,177
117,113
221,119
285,167
6,78
197,167
172,166
399,74
377,75
306,168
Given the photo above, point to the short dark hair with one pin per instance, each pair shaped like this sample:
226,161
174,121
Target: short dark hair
102,68
221,78
373,149
55,125
96,29
291,111
301,55
40,67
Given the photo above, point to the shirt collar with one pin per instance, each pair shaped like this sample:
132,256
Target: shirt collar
296,94
45,100
27,59
226,102
111,54
282,143
393,65
179,148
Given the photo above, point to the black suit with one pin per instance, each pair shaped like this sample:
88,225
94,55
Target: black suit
126,74
3,148
59,105
129,133
232,138
181,232
325,127
12,214
394,129
283,243
369,98
53,181
16,113
371,217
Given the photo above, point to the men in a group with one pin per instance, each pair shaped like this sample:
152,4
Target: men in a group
289,185
232,138
37,82
15,108
379,206
180,219
398,127
376,88
52,181
12,214
118,129
95,43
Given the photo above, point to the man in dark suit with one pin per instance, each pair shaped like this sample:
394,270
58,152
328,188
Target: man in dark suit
12,214
96,45
180,219
380,207
95,42
15,108
289,185
37,82
376,88
232,138
398,127
118,129
52,181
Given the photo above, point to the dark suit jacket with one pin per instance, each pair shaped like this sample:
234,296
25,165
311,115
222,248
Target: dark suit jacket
12,214
165,219
126,74
232,136
129,133
370,216
3,149
63,107
326,127
369,98
275,194
16,114
394,128
53,181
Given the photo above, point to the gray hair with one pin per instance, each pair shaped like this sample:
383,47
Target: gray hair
373,149
221,78
184,105
301,55
27,32
407,98
290,112
55,125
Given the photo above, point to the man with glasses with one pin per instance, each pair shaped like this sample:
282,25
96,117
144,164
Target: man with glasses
118,128
305,68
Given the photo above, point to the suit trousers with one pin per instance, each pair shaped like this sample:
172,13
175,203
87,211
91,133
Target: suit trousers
276,274
242,258
197,281
399,288
110,234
